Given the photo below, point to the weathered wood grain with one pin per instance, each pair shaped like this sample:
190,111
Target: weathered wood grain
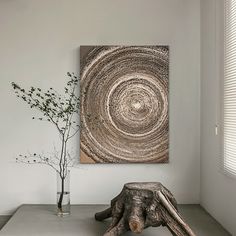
141,205
124,104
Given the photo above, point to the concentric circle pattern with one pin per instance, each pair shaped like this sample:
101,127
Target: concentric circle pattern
124,104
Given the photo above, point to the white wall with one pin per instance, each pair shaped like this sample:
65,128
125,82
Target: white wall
39,43
218,191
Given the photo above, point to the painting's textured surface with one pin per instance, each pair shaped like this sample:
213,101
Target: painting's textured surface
124,104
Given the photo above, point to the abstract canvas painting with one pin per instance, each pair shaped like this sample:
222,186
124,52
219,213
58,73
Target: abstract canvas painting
124,104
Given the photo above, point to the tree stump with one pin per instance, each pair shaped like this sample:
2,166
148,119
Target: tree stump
140,205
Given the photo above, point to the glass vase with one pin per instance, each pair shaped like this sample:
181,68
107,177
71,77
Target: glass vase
63,194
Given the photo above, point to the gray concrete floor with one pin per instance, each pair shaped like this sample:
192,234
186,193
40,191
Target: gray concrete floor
34,220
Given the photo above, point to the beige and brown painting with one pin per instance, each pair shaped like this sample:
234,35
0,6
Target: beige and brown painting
124,104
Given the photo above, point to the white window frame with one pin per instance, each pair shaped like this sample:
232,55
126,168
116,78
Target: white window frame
221,32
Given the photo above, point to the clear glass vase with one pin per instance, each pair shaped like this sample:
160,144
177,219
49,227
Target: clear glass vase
63,195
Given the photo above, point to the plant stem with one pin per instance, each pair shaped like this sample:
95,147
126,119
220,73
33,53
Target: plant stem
59,204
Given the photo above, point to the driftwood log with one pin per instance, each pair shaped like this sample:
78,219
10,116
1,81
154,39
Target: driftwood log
140,205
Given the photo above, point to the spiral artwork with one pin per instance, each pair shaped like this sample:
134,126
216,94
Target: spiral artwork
124,104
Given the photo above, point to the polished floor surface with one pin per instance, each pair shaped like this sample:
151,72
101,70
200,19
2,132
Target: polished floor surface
34,220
